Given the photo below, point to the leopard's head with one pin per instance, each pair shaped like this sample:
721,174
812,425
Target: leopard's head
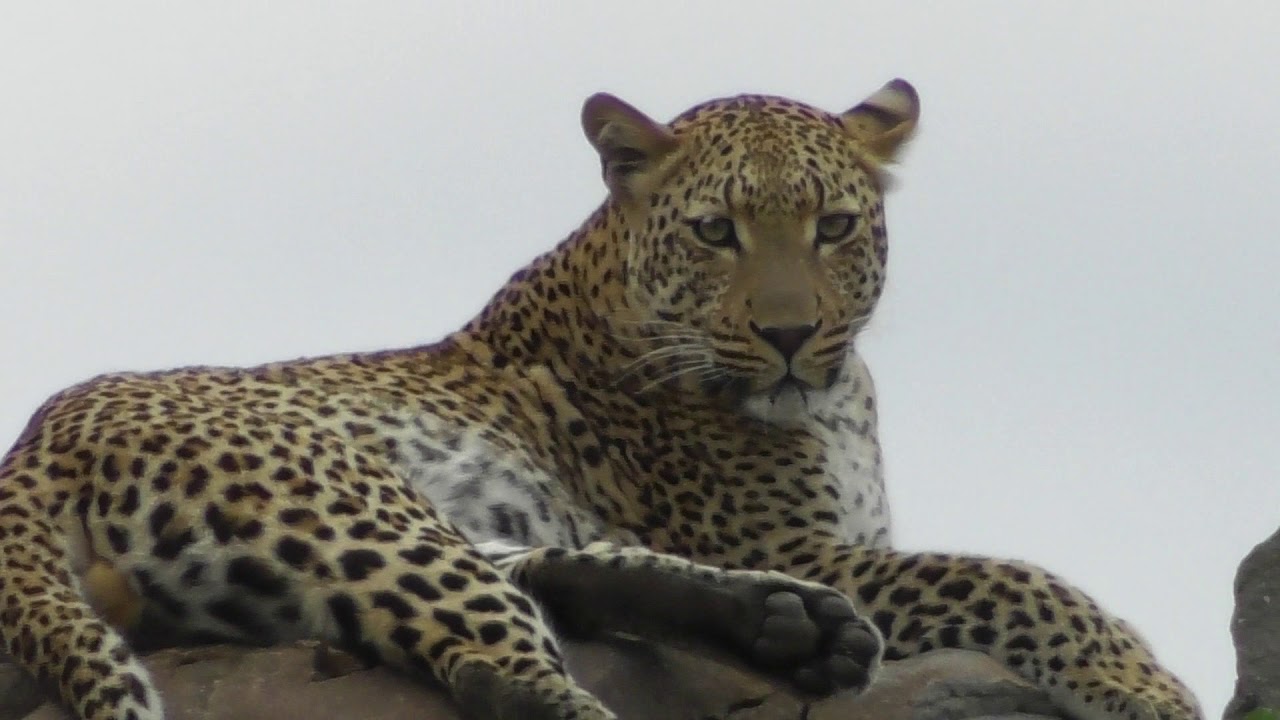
755,237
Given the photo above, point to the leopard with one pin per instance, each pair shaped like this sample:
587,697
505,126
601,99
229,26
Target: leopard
662,427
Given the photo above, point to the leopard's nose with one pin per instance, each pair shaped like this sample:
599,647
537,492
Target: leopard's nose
786,340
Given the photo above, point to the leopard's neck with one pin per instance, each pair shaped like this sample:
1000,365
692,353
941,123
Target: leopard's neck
569,311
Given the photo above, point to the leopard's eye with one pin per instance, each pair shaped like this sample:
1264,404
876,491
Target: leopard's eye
835,227
715,231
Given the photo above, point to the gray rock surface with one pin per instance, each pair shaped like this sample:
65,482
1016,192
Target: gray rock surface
19,695
641,682
1255,627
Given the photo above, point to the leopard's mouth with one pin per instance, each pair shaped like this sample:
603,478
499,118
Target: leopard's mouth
788,388
791,382
788,399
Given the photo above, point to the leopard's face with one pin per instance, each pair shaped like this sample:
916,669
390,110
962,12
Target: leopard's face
756,246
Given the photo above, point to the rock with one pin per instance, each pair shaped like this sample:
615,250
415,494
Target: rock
305,681
19,694
943,685
1255,628
222,682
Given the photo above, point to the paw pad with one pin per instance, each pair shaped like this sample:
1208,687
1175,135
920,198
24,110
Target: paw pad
813,636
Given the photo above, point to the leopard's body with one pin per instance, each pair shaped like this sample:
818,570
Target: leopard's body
676,381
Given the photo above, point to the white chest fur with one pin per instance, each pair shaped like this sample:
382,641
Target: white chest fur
848,428
493,494
843,419
488,493
854,459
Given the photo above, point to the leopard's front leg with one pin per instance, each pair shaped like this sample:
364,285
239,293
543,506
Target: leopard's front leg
1091,664
803,632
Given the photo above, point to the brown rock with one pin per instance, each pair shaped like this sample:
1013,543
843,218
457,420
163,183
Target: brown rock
639,681
19,694
1255,628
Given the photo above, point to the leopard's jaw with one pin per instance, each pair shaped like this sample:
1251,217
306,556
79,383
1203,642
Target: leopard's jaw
788,405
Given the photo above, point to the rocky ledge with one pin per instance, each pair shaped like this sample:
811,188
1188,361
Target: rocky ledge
306,681
1255,627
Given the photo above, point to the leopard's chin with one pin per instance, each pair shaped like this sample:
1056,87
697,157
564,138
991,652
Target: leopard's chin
788,401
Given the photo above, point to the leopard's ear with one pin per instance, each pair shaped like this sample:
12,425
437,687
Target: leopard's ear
884,121
629,142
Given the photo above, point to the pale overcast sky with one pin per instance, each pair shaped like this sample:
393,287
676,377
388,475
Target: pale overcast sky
1077,355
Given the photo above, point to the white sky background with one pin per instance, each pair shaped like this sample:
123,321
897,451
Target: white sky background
1077,355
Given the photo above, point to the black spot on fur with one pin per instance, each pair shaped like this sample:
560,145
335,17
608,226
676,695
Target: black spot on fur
912,631
223,529
484,604
406,637
441,646
956,589
137,690
118,538
982,634
883,620
417,585
1022,642
129,505
520,603
69,666
293,552
870,590
358,564
153,591
344,506
983,610
362,529
197,483
949,636
295,516
904,595
346,615
933,610
456,623
110,469
169,547
1019,618
192,575
249,530
395,604
453,581
108,696
256,576
421,554
493,632
240,615
82,688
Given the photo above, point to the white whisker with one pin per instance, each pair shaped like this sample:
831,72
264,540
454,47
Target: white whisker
676,372
661,353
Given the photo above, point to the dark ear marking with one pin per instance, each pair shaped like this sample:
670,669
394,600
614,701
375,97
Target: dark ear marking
620,162
884,121
628,141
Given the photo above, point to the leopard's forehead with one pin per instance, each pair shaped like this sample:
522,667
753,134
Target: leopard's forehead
763,154
754,111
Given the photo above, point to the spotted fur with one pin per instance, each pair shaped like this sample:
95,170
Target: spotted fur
668,405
